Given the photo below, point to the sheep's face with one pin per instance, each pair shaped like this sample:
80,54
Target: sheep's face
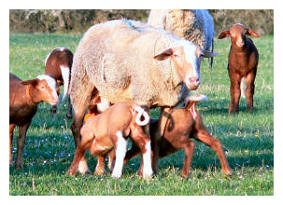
238,34
187,59
43,89
186,64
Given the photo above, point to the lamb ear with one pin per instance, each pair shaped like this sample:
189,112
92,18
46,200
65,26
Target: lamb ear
164,55
30,82
224,34
252,33
195,99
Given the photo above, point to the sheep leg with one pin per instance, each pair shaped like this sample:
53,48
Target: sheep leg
11,132
75,127
99,170
70,111
204,137
143,143
80,106
250,86
20,144
235,92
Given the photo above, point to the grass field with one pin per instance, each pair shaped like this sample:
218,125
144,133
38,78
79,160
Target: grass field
247,137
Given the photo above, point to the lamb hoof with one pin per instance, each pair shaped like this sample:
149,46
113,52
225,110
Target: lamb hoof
185,176
53,110
99,172
83,168
147,177
227,172
116,176
19,166
71,173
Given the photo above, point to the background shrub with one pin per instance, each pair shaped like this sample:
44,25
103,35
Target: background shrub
78,21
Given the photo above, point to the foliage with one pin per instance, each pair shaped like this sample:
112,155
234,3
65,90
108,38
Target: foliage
40,20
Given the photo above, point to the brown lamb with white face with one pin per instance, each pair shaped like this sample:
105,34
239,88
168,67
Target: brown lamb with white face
242,64
24,98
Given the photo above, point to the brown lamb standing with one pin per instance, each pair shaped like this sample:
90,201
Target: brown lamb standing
24,98
242,63
58,65
182,125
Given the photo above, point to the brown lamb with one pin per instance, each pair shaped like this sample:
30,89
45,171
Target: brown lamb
107,131
24,98
183,124
242,64
58,64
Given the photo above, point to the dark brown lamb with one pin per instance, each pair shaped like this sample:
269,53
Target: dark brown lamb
243,61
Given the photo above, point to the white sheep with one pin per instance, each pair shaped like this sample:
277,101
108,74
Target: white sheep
195,25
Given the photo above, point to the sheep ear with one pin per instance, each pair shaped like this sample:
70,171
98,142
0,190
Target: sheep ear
252,33
205,53
224,34
164,55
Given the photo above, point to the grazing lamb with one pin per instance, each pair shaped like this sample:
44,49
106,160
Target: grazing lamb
103,132
195,25
58,65
242,63
128,61
24,98
183,124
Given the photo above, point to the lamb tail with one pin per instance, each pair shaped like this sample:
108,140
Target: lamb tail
141,112
65,75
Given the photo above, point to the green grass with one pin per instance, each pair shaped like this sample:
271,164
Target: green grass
247,137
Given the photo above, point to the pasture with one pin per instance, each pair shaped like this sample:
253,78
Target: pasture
247,138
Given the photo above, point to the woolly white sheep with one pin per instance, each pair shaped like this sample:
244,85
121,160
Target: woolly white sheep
195,25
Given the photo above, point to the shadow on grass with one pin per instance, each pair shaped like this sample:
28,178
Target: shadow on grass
204,161
221,106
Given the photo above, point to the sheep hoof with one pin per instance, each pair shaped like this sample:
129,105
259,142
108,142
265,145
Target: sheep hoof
69,115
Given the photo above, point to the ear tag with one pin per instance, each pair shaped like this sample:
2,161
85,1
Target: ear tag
88,115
